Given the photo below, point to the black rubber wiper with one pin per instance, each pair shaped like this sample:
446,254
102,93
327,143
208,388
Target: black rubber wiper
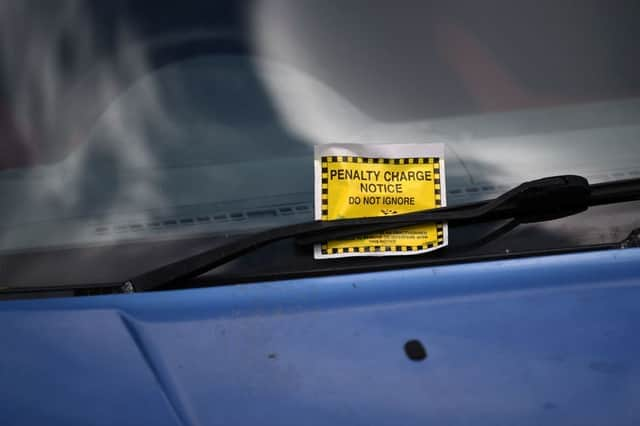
535,201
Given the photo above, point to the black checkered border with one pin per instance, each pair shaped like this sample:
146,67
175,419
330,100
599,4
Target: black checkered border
369,160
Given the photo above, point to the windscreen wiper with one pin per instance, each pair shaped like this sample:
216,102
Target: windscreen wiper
535,201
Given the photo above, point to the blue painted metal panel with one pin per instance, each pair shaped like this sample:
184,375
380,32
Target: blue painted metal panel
538,340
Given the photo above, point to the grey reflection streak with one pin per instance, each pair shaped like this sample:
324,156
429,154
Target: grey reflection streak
59,83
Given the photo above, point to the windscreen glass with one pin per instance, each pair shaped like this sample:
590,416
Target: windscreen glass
133,121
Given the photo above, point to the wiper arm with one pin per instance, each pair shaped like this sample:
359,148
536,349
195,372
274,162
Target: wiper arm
534,201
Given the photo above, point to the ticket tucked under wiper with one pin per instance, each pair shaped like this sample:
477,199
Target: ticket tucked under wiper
364,180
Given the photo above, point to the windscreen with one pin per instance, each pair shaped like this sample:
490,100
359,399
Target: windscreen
144,121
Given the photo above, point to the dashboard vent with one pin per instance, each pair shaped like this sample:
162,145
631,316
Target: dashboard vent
455,196
171,223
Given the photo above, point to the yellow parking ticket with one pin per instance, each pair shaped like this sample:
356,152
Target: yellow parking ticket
354,181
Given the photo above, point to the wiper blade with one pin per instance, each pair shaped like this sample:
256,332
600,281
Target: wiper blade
535,201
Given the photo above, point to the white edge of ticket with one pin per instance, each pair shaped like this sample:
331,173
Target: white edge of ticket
376,151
